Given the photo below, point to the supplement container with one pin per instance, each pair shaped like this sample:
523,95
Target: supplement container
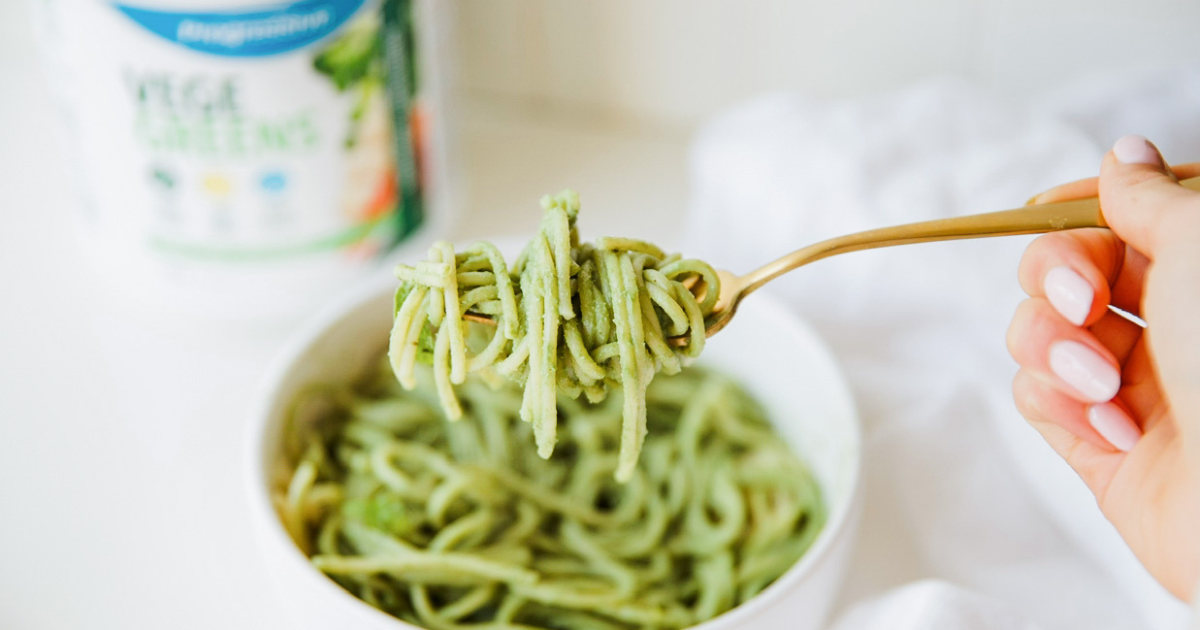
243,158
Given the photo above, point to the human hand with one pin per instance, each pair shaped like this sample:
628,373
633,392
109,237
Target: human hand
1121,404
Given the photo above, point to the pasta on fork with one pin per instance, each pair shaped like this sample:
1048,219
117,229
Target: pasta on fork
571,317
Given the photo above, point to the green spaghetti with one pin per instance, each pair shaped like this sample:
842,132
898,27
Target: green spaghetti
458,526
572,318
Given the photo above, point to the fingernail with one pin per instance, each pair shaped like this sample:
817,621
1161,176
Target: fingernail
1135,150
1082,368
1114,425
1069,293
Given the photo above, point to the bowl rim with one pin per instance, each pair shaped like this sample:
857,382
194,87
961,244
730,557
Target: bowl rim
256,468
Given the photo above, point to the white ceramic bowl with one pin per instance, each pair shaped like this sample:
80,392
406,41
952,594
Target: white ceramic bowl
778,358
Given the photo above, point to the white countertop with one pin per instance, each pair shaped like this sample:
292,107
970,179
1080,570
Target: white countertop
120,458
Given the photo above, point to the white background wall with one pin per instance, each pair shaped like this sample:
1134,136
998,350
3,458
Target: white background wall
677,61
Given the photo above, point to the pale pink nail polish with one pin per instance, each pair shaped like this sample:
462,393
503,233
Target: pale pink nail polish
1069,293
1114,425
1135,150
1085,370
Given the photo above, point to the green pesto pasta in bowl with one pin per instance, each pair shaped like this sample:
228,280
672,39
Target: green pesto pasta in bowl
452,525
391,492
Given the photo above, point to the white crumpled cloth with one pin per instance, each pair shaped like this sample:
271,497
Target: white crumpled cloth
971,521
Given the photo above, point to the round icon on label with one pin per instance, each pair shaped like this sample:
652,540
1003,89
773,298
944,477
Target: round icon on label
273,182
217,185
162,178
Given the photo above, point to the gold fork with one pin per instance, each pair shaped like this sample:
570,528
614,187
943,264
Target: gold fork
1034,219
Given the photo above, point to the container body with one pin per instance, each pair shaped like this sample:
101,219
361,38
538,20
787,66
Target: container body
245,158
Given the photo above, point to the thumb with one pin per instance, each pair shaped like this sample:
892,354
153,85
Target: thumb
1141,199
1150,211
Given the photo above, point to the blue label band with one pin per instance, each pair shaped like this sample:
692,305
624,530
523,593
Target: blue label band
257,32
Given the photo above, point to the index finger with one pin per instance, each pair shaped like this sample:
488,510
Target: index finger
1088,261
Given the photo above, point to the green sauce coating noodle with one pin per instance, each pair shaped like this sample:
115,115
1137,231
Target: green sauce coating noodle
573,318
458,526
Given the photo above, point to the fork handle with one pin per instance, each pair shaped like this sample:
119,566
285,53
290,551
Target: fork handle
1035,219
